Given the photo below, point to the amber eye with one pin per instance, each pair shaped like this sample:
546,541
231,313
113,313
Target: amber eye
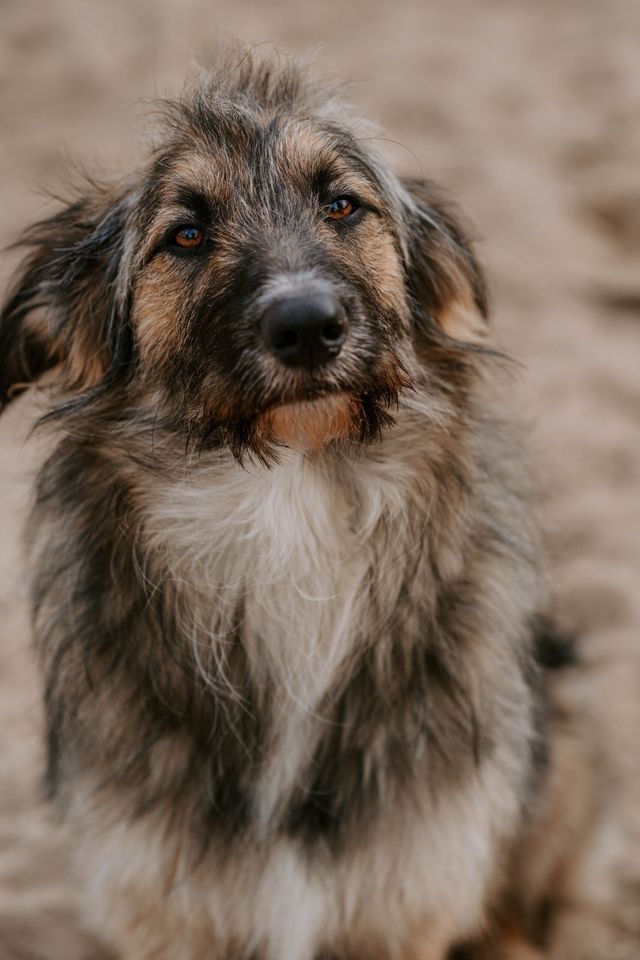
341,208
188,237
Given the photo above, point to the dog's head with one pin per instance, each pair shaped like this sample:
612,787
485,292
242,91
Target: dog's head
265,279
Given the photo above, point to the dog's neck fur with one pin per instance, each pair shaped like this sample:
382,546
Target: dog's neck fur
299,545
299,554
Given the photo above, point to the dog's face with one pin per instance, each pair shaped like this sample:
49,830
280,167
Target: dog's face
266,279
269,275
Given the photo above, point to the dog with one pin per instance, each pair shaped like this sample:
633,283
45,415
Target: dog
286,588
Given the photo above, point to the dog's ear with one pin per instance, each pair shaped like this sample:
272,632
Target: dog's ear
67,308
445,280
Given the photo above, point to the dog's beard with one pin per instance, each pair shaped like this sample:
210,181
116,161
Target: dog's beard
313,425
311,413
308,425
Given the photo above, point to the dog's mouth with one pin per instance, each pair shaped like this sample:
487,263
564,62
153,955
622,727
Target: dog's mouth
309,423
310,411
320,409
320,417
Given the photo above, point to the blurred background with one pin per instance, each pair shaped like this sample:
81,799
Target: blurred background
529,114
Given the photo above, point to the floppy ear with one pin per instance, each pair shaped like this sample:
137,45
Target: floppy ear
444,277
67,310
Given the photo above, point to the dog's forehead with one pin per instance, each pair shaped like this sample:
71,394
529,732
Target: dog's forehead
242,154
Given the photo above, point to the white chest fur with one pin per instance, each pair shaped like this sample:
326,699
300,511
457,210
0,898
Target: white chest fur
300,546
303,547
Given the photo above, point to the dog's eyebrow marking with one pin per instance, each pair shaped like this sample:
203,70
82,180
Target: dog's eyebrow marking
340,176
185,202
193,199
341,165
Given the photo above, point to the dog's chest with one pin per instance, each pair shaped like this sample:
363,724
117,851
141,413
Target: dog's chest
289,558
277,547
342,825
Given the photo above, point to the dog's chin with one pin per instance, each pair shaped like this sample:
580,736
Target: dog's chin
311,425
305,423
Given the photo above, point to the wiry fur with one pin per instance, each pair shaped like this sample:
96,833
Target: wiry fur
287,621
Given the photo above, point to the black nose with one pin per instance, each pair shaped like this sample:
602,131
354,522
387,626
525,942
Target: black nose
304,330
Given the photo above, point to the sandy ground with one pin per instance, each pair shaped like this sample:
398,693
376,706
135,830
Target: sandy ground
528,112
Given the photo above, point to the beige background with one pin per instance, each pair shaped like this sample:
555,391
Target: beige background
529,112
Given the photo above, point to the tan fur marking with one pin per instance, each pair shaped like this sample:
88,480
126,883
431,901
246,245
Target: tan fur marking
461,319
384,262
301,145
78,362
155,314
215,180
312,425
84,366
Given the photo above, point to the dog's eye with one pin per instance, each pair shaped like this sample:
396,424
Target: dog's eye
189,237
341,208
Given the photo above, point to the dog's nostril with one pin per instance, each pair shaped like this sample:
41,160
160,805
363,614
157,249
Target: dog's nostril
333,333
285,339
305,329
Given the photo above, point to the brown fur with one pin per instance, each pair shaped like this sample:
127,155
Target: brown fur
288,619
311,426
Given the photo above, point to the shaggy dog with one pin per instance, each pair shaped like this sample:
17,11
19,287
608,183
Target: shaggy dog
285,595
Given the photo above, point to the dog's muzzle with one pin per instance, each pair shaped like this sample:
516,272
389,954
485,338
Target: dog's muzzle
304,329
